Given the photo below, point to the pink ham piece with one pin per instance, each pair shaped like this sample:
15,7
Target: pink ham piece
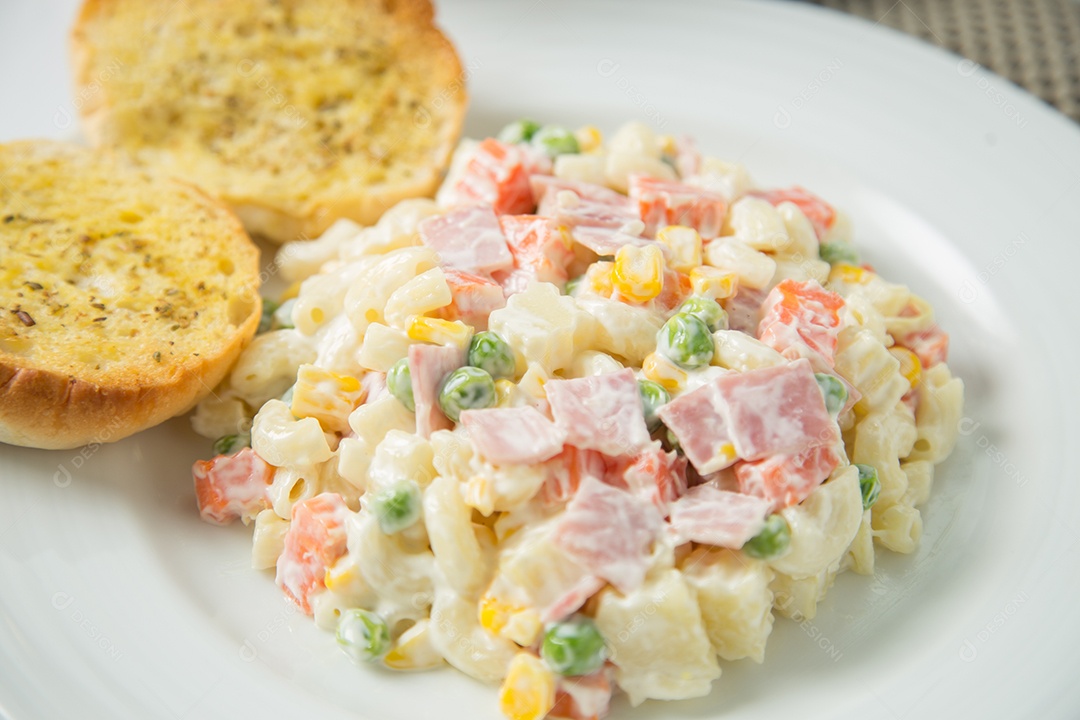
505,436
744,310
606,241
570,601
585,191
698,419
930,345
608,532
600,412
474,298
429,365
715,517
786,480
802,319
315,539
538,246
468,239
571,210
374,384
775,411
231,486
666,202
498,175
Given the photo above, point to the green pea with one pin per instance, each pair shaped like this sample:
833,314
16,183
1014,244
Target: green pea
672,440
555,140
653,395
266,322
229,444
834,391
574,647
467,388
363,635
686,341
397,507
706,310
838,252
519,131
282,317
573,284
399,383
488,351
773,540
869,484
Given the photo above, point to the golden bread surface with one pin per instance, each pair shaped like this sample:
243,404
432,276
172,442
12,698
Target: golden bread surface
124,297
295,112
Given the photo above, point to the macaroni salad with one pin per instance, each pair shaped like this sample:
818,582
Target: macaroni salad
584,423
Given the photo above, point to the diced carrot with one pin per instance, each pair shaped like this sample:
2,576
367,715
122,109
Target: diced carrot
787,479
677,287
820,213
474,298
538,246
931,345
666,202
801,313
498,174
315,539
231,486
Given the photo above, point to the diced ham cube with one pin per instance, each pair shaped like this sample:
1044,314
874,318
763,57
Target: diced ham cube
538,246
675,289
820,214
687,156
786,480
498,175
571,210
775,410
716,517
608,532
655,476
513,435
314,541
567,471
930,345
428,366
666,202
468,239
474,298
231,486
802,316
514,281
585,191
606,241
744,309
600,412
570,601
698,419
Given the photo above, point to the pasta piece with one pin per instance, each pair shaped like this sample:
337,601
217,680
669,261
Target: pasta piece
396,229
735,600
369,290
738,351
860,554
465,568
268,540
658,641
267,368
283,441
937,418
398,572
822,526
881,439
382,347
424,293
301,259
544,325
798,598
920,481
754,269
619,329
898,528
326,396
756,223
457,635
400,455
867,364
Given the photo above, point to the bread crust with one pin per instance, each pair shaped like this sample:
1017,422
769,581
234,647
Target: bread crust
47,405
309,218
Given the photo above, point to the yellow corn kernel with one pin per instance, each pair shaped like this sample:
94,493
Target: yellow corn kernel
528,691
713,282
291,292
684,244
326,396
513,622
340,575
661,370
494,613
504,392
726,453
910,367
851,274
598,277
667,145
413,650
638,274
440,332
588,138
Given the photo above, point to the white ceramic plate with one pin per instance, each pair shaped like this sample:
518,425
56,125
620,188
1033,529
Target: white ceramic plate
116,601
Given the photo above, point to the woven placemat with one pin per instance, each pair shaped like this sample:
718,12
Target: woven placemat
1034,43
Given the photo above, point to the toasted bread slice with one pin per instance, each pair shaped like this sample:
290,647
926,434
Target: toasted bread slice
124,297
295,112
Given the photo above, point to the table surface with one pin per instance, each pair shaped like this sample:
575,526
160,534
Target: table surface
1033,43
